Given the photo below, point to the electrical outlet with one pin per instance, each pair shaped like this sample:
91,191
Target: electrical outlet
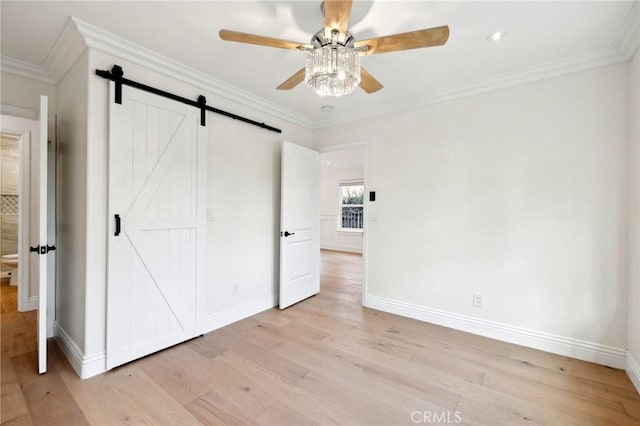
235,290
477,300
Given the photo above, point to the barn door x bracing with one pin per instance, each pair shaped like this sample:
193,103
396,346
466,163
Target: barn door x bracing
157,219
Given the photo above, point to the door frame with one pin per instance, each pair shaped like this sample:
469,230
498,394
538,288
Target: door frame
27,131
365,178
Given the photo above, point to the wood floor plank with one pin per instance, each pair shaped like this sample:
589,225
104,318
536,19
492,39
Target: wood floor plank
48,399
587,370
215,409
182,372
288,370
587,410
24,420
237,399
157,406
12,403
99,402
489,407
7,372
280,414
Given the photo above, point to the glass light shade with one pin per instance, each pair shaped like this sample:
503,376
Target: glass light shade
333,70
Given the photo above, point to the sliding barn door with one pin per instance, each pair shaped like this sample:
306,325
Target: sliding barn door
157,219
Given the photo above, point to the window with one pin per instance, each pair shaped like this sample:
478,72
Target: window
351,206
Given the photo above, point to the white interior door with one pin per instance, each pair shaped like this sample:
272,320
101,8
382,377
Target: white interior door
157,231
40,240
299,224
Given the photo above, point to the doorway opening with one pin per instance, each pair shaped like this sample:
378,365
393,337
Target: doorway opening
19,300
342,215
15,220
9,209
26,145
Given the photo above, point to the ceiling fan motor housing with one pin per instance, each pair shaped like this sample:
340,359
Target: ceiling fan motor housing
319,39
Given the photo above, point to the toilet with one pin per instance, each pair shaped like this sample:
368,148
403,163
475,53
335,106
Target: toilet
11,260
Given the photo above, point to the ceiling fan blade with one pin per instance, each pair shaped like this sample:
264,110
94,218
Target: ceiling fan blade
336,16
292,81
368,83
228,35
412,40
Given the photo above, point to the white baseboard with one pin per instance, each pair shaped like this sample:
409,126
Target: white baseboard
237,313
633,371
32,303
340,247
85,366
574,348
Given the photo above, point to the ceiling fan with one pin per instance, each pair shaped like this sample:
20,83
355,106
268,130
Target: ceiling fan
333,54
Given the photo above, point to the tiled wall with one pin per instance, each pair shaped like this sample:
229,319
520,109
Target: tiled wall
9,163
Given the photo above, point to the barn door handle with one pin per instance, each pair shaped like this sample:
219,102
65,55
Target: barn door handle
117,217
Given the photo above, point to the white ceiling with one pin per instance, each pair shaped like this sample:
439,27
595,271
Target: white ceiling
537,33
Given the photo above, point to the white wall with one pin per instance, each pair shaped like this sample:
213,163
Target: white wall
243,191
332,175
634,221
72,241
519,194
244,202
21,97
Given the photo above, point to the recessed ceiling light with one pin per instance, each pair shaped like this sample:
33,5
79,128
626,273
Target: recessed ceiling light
496,36
328,163
326,108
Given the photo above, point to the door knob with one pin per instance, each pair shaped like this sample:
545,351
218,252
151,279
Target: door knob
287,233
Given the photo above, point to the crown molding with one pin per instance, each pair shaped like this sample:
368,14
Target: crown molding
628,39
24,69
98,39
568,65
65,52
17,111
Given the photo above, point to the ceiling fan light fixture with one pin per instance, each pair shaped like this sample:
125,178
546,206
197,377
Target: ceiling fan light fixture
333,70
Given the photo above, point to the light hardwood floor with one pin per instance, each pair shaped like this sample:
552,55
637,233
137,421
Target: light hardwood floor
325,360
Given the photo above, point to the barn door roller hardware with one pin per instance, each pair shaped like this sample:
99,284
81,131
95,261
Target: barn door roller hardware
117,76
